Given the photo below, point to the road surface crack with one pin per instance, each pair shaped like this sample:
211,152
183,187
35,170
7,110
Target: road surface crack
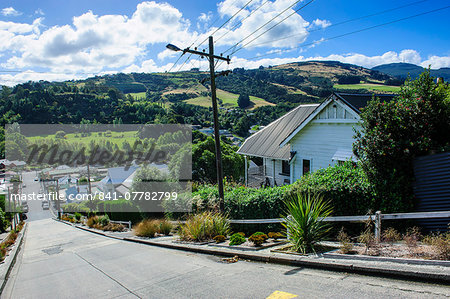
106,274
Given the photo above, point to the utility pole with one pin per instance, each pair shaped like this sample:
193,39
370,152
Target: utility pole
58,204
212,59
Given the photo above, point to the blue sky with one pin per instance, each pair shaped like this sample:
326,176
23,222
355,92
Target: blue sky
55,40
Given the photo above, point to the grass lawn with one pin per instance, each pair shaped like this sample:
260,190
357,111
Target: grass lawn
368,86
137,95
228,100
115,138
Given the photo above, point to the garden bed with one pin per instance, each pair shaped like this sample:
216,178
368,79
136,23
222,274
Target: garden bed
394,253
321,249
249,245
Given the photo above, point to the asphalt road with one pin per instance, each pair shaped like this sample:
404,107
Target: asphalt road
59,261
35,211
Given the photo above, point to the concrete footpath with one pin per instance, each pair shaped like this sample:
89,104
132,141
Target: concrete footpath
418,270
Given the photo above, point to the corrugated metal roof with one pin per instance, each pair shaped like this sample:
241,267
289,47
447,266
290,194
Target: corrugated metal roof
266,143
359,101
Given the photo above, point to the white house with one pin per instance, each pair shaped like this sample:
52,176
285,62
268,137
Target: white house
308,137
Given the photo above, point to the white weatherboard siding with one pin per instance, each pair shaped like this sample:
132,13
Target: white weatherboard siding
328,133
279,178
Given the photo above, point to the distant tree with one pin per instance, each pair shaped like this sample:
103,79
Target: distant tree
204,161
243,101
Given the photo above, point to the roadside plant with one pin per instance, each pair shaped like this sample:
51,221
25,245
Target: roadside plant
114,227
146,228
391,235
274,236
263,235
103,220
77,216
304,221
441,246
204,226
258,238
411,237
92,221
165,227
219,238
237,239
344,240
366,237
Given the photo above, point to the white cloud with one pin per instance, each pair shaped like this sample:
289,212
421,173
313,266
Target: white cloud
436,62
94,43
205,17
167,53
10,11
268,11
39,12
408,56
317,23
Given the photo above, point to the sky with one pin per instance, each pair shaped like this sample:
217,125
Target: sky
62,40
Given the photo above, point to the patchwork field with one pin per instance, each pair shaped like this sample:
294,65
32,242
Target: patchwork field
228,100
115,138
368,86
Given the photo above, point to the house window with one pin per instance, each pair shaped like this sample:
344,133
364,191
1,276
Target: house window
285,168
306,166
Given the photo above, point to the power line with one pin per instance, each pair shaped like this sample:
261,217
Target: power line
297,10
229,19
354,32
240,22
290,6
344,22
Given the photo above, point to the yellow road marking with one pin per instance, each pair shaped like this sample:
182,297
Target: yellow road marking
281,295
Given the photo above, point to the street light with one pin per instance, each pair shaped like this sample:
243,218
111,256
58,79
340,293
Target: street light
211,58
173,48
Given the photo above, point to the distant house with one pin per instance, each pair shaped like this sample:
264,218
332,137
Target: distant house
308,137
115,177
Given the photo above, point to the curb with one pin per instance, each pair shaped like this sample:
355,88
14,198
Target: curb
11,259
290,261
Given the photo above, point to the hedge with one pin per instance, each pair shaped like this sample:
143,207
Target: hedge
345,185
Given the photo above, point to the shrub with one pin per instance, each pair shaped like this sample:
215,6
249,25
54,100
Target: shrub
391,235
237,239
346,185
78,216
243,203
165,227
92,221
393,133
219,238
204,226
441,246
263,235
146,228
366,237
103,220
304,223
346,244
257,239
275,236
411,237
242,234
114,227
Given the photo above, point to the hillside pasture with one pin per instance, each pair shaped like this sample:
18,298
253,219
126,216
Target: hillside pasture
369,87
